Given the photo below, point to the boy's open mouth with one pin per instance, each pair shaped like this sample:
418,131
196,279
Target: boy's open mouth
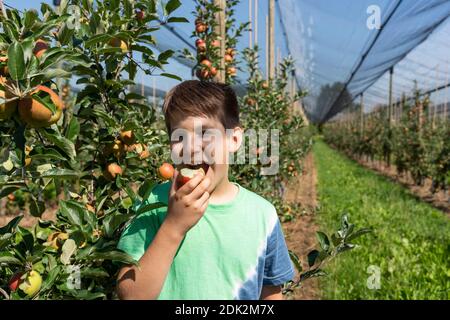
203,165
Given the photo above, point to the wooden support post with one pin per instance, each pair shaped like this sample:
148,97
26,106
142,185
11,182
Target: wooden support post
271,39
292,92
154,93
277,66
250,34
267,47
220,30
361,115
2,8
391,76
402,105
446,94
144,99
256,22
435,104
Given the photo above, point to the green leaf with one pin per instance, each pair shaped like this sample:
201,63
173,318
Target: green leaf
323,240
110,121
113,221
130,193
344,222
142,49
50,278
336,239
90,218
60,173
27,238
73,129
117,256
312,274
177,19
11,225
126,202
61,142
295,260
56,73
46,101
148,207
54,55
10,260
163,56
312,256
68,250
47,154
5,240
134,96
344,247
101,38
146,188
73,211
171,6
16,61
65,34
172,76
85,294
19,139
37,207
10,29
109,50
359,233
28,46
8,190
93,273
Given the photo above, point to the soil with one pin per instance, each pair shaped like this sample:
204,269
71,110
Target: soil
300,233
28,220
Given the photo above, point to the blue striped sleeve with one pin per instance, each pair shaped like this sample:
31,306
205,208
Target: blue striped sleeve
278,267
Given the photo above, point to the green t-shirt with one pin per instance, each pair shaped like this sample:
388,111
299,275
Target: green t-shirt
233,250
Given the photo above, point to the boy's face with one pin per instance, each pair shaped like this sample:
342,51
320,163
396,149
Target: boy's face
202,142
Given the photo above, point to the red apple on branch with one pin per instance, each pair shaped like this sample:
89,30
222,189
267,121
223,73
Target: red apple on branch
15,281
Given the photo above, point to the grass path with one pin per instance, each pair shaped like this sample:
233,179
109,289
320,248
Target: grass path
410,245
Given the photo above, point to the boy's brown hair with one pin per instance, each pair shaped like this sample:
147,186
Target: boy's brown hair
201,98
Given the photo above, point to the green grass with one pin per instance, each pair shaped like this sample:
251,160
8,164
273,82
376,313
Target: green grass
410,243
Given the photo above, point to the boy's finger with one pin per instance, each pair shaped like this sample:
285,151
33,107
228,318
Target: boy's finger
191,184
201,188
173,187
204,205
203,199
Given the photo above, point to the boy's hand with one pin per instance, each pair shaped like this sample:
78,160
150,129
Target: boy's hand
188,203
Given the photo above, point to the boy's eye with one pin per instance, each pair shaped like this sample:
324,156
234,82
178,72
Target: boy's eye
177,140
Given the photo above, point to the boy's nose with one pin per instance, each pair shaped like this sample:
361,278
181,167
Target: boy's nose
195,150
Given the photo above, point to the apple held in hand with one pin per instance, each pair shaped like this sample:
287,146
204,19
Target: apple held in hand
187,174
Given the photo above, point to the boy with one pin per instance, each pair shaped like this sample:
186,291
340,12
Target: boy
215,239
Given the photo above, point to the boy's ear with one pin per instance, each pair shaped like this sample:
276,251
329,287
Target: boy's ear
235,140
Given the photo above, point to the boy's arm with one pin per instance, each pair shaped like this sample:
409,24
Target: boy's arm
146,281
186,206
271,293
278,267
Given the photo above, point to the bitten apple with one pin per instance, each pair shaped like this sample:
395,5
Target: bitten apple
186,174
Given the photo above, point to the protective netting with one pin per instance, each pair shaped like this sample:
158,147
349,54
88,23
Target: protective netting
338,57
